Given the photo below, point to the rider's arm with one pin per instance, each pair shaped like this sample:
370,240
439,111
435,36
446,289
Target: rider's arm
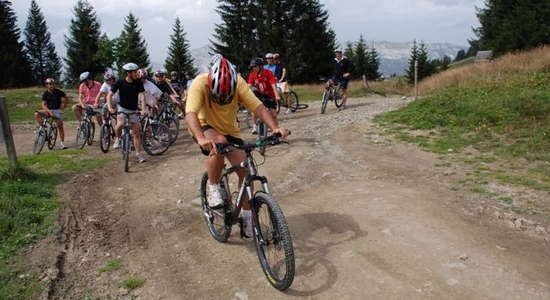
110,101
143,103
96,103
66,102
196,131
268,119
283,76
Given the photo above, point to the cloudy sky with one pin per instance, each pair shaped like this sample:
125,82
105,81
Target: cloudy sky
431,21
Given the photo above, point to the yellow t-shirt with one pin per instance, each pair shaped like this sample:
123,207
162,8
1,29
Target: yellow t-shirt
222,118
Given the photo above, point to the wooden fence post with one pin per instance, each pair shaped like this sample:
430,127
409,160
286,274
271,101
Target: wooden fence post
6,134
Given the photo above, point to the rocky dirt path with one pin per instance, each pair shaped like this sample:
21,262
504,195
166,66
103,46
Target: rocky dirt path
371,218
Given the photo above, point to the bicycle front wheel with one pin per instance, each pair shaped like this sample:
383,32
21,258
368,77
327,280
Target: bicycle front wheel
273,242
324,101
338,99
126,146
217,220
156,138
105,137
262,133
52,136
91,133
39,141
81,135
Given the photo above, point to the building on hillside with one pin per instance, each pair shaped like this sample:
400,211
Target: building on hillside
483,56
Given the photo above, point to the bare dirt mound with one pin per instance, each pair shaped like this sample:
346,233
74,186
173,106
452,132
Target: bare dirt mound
370,218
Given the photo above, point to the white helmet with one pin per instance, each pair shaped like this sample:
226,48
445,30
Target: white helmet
84,76
130,67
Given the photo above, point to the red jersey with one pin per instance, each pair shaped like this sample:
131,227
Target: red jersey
262,82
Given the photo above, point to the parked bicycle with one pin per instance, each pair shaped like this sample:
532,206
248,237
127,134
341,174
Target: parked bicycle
270,230
107,131
46,133
332,93
86,130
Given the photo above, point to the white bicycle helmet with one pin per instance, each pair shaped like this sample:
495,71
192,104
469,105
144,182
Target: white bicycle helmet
108,75
129,67
84,76
222,81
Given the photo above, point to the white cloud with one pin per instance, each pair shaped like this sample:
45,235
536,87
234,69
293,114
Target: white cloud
396,20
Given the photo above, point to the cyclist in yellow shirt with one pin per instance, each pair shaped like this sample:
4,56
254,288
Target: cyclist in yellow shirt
211,111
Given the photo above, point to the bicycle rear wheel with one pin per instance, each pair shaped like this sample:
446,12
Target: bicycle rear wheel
156,138
39,141
52,136
217,220
105,137
81,135
273,242
293,101
173,124
324,101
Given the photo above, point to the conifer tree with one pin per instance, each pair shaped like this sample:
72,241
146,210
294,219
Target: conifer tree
298,30
361,60
237,35
419,53
106,52
83,42
130,46
179,58
16,71
373,64
512,25
43,58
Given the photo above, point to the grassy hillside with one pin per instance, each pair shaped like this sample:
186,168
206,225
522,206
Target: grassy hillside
499,109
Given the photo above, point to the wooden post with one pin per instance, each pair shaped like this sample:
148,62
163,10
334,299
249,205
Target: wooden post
5,130
415,79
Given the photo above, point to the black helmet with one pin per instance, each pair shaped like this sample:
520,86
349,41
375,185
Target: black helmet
256,61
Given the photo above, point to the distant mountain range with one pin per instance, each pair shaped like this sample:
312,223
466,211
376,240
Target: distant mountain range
394,56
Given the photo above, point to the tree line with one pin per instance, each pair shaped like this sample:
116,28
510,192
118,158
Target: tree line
296,29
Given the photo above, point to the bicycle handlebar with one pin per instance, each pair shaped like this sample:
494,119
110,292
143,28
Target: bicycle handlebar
274,139
46,116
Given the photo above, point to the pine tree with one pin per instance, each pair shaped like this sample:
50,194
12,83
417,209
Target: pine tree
130,46
373,64
106,51
237,35
43,58
298,30
16,71
361,59
83,43
179,58
419,53
511,25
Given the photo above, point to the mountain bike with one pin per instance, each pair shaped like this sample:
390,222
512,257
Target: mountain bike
270,232
332,93
107,132
46,133
86,130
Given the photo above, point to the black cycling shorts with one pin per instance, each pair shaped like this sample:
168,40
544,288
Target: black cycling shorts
266,101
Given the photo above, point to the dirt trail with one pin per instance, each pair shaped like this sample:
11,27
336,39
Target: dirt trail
371,218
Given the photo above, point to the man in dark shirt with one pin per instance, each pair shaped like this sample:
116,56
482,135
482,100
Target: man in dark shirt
53,106
341,74
130,90
168,91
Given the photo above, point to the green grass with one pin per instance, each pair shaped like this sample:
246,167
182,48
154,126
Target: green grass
23,102
28,206
113,265
133,283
